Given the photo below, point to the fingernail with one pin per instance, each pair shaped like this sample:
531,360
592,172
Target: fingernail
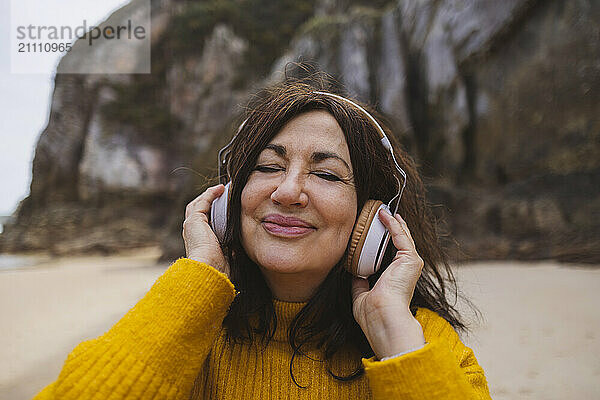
386,212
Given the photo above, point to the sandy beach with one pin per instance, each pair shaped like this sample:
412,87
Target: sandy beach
539,338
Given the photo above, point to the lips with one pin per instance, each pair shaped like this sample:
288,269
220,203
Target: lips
287,221
282,226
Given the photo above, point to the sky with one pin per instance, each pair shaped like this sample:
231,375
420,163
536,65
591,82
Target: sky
25,98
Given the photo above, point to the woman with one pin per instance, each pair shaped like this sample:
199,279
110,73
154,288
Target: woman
271,311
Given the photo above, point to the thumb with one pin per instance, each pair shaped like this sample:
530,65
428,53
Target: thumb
359,286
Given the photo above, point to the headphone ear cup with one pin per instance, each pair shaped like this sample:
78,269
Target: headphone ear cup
359,235
218,214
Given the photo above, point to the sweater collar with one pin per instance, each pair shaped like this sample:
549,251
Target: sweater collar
285,313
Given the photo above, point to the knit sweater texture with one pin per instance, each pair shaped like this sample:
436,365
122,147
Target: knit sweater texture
171,345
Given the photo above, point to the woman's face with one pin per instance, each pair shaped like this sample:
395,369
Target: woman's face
299,204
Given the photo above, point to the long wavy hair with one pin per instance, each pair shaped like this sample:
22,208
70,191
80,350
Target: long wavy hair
327,319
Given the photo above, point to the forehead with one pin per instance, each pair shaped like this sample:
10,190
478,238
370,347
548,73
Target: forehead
313,131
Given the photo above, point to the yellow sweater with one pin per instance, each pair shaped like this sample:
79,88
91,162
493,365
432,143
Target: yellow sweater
171,346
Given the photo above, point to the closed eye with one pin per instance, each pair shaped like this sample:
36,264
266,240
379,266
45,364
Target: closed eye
266,168
327,176
273,168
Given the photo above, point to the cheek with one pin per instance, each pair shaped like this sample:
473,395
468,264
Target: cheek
341,210
253,195
247,209
249,197
348,224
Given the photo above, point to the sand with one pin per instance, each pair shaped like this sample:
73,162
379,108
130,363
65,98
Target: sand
48,308
539,338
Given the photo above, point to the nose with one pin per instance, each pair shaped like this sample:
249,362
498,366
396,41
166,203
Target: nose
290,191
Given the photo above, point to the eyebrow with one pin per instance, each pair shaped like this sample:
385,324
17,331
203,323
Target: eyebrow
317,156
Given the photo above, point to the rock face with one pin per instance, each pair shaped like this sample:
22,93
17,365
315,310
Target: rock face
540,115
112,161
497,101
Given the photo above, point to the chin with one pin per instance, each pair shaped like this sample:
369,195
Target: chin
289,257
283,262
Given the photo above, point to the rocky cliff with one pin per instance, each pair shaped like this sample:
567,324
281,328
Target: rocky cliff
497,100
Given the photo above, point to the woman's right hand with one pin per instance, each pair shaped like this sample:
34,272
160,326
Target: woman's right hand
201,243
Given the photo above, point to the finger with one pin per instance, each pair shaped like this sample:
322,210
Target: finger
399,218
401,240
203,202
359,286
212,191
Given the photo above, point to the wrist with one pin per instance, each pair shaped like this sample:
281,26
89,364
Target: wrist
219,266
403,353
400,335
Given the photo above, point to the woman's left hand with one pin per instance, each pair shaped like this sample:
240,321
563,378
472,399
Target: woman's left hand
383,312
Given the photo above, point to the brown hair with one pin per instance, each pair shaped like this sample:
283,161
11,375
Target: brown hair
327,318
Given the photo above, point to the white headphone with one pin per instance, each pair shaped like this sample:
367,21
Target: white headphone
369,238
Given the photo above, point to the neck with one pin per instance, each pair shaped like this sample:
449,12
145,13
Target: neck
292,287
285,313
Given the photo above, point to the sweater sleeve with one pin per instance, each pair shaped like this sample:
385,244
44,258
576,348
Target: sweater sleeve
157,349
443,369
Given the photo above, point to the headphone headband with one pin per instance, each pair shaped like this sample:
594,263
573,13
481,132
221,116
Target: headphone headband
384,141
